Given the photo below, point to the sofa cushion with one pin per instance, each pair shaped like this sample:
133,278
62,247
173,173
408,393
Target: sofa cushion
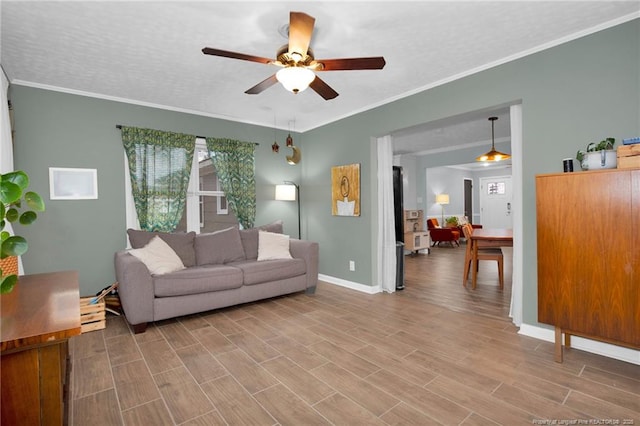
158,257
197,279
273,246
249,238
180,242
270,270
219,247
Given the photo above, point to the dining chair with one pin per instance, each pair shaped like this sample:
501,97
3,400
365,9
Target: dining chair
483,254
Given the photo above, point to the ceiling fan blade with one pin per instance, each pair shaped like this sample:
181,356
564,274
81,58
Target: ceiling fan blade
300,31
373,63
235,55
263,85
323,89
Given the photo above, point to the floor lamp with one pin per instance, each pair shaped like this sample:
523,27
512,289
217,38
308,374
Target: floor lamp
290,191
442,199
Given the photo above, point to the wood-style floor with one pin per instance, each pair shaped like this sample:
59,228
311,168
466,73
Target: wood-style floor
434,353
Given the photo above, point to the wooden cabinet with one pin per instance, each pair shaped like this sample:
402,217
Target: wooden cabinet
38,318
415,241
415,236
589,255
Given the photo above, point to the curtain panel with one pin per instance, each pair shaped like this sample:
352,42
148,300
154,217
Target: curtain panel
160,167
235,165
387,261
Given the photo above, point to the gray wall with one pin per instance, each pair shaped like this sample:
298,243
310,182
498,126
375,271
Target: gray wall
61,130
450,180
448,158
572,94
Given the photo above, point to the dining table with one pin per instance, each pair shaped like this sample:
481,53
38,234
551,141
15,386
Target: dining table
489,237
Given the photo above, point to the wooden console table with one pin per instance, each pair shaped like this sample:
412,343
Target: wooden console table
37,319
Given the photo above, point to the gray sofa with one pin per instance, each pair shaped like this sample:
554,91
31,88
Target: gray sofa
221,269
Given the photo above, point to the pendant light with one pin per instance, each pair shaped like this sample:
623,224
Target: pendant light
493,155
275,148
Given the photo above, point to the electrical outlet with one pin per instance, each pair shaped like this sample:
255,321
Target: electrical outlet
352,265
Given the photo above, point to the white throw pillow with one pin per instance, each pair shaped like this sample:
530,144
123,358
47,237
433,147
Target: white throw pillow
158,257
273,246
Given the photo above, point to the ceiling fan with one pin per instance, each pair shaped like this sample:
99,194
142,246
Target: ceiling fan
298,63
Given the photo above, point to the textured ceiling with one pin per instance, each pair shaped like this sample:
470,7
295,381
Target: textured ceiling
150,52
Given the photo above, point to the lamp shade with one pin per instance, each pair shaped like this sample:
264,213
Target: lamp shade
295,79
442,198
493,155
285,192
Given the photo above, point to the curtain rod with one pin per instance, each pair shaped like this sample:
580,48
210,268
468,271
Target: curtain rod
119,126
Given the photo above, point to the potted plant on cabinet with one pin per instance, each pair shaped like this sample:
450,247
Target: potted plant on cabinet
598,155
19,206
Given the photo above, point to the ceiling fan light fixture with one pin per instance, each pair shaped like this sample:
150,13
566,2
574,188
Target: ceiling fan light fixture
493,155
295,79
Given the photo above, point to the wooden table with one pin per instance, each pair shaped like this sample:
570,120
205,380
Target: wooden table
37,319
487,237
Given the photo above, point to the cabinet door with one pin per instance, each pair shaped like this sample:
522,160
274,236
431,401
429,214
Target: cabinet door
633,290
586,254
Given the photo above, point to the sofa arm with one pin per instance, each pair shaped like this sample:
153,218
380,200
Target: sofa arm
310,252
135,288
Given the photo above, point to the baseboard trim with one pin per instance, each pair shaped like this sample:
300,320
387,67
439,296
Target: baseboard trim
600,348
350,284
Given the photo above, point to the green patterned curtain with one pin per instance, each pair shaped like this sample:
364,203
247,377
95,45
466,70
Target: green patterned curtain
160,166
234,163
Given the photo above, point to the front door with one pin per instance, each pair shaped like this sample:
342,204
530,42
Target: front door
495,202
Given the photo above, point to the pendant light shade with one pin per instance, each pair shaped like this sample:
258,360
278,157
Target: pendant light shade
493,155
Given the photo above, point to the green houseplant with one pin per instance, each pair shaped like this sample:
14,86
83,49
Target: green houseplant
17,205
451,222
601,157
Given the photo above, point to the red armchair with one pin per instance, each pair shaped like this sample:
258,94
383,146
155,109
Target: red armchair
438,234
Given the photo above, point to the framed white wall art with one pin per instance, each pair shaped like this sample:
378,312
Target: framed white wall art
73,184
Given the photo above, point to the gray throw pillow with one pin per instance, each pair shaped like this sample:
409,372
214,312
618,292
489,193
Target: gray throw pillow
249,237
219,247
180,242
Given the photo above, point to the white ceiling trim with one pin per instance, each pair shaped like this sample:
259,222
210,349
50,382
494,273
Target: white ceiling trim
490,65
475,168
469,72
136,102
486,143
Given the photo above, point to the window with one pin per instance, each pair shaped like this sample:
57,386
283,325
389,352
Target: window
206,208
223,208
496,188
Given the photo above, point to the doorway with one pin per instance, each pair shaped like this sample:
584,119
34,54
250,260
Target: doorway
496,200
516,141
468,199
